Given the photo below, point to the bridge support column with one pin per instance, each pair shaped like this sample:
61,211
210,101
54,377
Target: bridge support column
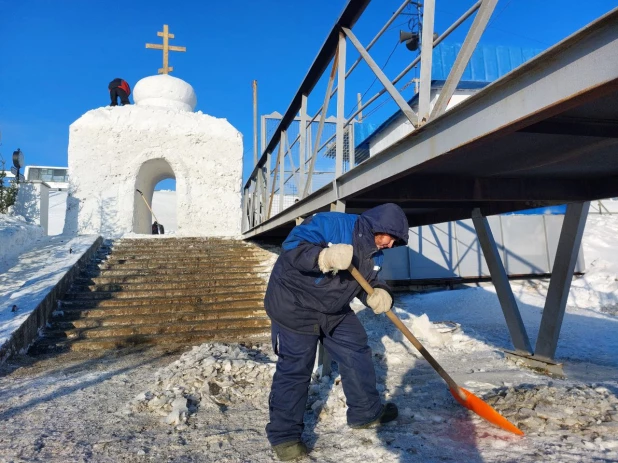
557,294
500,280
560,282
337,206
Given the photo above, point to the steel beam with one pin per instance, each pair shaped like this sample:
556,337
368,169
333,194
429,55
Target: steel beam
499,278
560,282
472,38
338,206
282,169
255,122
263,135
329,86
341,51
303,144
575,126
453,189
523,97
424,95
245,215
390,88
351,147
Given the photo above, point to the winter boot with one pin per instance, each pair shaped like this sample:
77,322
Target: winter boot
389,413
289,451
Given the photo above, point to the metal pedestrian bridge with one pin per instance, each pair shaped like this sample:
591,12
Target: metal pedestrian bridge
544,134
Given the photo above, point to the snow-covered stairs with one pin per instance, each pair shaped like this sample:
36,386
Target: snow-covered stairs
164,291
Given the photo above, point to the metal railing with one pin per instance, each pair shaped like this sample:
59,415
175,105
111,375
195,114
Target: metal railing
306,153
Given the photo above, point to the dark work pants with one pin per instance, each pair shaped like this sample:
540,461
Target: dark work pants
116,93
347,345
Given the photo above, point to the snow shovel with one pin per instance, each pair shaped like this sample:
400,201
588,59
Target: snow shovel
159,226
463,396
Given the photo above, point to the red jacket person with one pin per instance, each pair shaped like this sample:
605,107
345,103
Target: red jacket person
119,88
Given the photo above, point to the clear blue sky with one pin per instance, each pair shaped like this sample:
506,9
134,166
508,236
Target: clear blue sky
57,56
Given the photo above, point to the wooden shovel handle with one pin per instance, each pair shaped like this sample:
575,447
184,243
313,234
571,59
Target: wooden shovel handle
147,205
408,334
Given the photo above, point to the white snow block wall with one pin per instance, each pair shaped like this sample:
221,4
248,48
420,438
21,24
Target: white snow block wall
115,150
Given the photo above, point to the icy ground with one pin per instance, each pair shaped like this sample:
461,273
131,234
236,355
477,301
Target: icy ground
210,403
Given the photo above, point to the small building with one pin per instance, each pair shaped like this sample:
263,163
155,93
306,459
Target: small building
56,177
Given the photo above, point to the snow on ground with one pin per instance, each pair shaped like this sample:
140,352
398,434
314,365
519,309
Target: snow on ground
16,236
210,403
26,284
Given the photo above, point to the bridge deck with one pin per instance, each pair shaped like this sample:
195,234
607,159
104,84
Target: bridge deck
544,134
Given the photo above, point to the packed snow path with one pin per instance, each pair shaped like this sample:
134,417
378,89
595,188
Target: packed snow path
210,404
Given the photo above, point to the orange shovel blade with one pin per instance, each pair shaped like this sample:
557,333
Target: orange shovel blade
486,411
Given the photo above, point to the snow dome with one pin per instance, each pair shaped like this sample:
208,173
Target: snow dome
165,91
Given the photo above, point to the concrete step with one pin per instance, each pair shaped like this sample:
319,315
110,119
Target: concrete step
221,261
244,336
164,291
156,328
235,272
123,245
238,277
184,249
181,256
221,265
120,302
164,285
198,318
156,293
71,313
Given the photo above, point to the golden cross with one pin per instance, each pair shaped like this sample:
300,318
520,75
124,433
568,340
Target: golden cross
166,49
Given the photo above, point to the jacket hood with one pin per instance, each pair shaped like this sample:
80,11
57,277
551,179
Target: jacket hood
388,218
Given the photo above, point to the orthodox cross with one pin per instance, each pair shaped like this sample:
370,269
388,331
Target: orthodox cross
166,47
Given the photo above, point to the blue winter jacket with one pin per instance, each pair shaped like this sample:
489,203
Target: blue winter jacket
302,298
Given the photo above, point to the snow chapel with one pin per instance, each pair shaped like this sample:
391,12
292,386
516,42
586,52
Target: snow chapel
115,151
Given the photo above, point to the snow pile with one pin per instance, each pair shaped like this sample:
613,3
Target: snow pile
213,376
16,237
588,411
426,331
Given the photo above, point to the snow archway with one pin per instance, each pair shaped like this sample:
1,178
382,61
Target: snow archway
150,173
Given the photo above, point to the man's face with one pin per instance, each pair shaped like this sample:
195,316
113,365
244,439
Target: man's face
384,240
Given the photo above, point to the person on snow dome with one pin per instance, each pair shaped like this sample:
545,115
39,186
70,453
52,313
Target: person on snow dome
119,88
308,300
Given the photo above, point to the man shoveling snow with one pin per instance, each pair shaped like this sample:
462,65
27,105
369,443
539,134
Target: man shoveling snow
308,300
